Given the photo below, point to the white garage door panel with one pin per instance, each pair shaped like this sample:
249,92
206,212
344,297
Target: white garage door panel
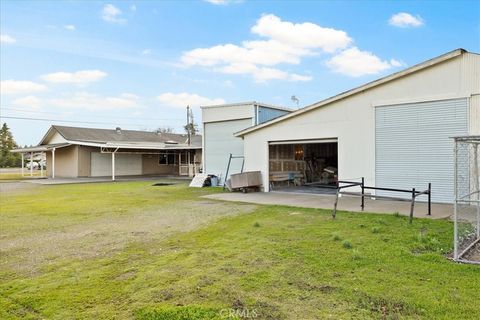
125,164
220,142
413,145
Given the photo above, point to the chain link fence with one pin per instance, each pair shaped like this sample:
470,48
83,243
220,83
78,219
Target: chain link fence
467,199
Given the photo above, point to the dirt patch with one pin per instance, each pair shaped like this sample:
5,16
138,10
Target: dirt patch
109,234
474,253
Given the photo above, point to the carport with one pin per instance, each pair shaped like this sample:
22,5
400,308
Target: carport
39,150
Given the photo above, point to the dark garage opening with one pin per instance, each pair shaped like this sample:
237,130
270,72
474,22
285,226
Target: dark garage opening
308,167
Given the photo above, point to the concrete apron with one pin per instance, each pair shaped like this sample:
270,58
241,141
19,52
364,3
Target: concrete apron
345,203
103,179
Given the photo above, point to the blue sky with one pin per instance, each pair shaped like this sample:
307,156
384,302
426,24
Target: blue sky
136,64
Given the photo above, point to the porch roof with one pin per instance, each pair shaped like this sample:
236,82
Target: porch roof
41,148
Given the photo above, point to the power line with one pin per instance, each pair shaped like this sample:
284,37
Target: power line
75,121
121,118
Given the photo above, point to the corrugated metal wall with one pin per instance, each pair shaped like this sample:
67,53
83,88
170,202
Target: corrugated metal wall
266,114
220,142
413,145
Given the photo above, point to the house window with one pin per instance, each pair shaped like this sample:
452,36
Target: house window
167,158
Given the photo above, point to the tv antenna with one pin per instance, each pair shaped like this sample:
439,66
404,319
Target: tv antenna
295,100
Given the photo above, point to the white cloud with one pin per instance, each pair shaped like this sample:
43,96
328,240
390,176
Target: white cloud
80,77
133,8
110,13
70,27
5,38
184,99
146,52
301,35
355,63
89,101
20,87
285,42
405,20
31,102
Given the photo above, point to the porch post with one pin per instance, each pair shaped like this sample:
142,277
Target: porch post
31,164
53,163
189,166
23,164
41,165
113,166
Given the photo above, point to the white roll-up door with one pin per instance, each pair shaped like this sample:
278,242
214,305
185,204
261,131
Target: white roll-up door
413,145
125,164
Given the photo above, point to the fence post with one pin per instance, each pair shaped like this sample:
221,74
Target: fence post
363,193
412,206
429,199
334,213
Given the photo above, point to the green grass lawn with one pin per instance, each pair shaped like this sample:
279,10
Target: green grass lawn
132,250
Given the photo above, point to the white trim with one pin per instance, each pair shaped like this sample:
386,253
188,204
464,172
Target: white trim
23,165
248,103
384,103
53,163
304,141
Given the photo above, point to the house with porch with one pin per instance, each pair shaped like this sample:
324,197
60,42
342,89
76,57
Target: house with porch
73,152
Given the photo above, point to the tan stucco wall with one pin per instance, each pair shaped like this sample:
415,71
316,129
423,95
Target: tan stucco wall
66,162
74,161
84,160
150,165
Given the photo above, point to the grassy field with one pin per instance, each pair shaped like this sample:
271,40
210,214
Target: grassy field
133,250
17,175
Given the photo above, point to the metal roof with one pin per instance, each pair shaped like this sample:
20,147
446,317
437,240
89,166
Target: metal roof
346,94
112,135
123,139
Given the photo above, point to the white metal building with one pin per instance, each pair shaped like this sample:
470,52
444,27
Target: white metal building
393,131
220,122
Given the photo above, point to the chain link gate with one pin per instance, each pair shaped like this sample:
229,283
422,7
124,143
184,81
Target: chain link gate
467,199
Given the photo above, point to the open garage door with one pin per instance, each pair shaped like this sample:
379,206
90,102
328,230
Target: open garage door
413,145
125,164
306,166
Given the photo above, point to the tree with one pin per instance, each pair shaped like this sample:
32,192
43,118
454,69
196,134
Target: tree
165,130
7,143
191,127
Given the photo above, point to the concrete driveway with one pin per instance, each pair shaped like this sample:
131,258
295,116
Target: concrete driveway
345,203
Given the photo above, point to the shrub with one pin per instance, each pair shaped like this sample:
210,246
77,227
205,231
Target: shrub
256,225
375,230
346,244
336,237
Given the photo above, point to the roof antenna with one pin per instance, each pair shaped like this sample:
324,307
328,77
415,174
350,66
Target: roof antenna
295,100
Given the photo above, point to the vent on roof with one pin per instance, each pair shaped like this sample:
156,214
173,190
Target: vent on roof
118,130
171,142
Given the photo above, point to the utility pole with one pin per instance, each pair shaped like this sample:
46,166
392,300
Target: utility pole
188,125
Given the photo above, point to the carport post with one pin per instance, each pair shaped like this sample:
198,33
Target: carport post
23,163
53,163
113,166
31,164
41,165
